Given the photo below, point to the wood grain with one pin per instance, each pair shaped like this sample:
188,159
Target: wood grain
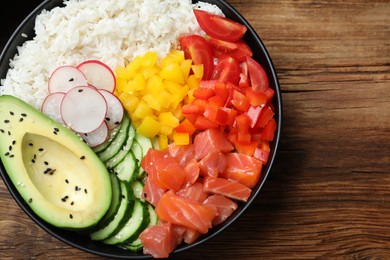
328,195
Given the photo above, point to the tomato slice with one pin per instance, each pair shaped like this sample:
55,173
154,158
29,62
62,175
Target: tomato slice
227,69
224,46
219,27
197,49
257,75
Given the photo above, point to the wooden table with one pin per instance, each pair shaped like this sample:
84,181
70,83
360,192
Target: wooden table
328,195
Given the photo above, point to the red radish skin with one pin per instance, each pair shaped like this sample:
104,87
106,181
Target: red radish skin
65,78
83,109
115,109
51,106
96,137
98,74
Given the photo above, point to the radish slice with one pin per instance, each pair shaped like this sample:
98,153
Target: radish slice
51,106
96,137
65,78
114,109
83,109
98,74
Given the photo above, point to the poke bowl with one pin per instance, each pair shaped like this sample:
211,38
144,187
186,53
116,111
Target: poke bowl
225,107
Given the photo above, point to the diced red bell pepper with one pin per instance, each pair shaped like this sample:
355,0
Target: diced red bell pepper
240,102
269,130
256,98
243,123
203,93
265,116
254,113
185,126
203,123
192,109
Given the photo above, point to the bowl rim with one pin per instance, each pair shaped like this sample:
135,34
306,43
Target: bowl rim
17,39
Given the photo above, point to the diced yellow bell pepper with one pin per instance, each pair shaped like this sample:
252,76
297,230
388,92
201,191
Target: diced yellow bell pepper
134,65
165,100
178,55
163,142
167,118
152,101
150,71
142,110
193,82
173,73
181,138
198,71
185,67
130,102
149,59
120,84
149,127
122,73
165,129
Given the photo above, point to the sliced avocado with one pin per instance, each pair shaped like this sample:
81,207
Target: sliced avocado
56,173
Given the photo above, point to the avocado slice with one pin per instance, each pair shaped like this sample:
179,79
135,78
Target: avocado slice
56,173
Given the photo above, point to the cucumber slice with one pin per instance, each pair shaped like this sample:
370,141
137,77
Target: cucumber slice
136,245
134,226
144,145
113,148
127,168
137,187
118,157
111,136
152,215
122,216
115,202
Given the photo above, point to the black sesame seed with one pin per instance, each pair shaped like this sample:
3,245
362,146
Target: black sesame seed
72,203
46,163
54,132
2,130
11,113
82,157
108,119
23,114
80,90
6,154
56,129
116,123
52,172
13,142
6,121
41,149
10,147
30,144
21,119
35,156
123,196
9,133
70,215
11,156
71,79
145,195
85,190
32,160
66,180
77,188
30,200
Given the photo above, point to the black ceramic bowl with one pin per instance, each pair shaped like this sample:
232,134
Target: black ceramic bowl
84,243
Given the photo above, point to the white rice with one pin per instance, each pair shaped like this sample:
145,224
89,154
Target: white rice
113,31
